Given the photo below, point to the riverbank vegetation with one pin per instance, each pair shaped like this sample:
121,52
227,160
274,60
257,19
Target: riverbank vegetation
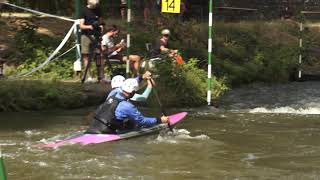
45,95
244,52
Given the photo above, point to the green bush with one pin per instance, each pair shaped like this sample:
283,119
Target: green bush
185,85
35,48
256,51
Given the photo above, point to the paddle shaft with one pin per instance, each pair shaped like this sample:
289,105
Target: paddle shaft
160,104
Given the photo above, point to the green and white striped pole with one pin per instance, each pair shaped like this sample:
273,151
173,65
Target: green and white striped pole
2,169
128,37
210,53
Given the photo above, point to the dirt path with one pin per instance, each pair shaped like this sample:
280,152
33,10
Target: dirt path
10,23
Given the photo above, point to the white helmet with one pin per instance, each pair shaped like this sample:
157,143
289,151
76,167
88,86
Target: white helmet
117,81
165,32
130,85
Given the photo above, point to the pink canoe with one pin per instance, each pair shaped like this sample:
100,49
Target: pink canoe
100,138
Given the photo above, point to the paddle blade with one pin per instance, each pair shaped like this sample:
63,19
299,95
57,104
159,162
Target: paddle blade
173,119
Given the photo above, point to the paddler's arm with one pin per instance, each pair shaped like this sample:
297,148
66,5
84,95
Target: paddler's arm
144,96
141,120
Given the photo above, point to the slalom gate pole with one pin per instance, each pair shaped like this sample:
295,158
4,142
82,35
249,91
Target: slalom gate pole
129,4
300,49
2,168
210,52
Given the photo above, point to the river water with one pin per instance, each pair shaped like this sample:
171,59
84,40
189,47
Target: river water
258,132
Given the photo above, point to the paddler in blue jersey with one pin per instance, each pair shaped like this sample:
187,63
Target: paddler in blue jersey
118,80
118,113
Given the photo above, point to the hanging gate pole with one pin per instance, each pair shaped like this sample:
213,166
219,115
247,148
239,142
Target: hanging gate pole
300,50
210,53
77,33
128,37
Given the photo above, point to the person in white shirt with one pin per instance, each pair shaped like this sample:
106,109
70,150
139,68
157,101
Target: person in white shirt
113,50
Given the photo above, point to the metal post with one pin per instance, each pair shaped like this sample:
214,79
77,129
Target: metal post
2,168
210,53
129,3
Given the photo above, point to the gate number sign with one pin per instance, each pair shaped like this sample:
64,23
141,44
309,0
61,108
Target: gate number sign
171,6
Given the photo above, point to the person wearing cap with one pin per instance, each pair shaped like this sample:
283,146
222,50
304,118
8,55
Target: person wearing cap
118,113
161,46
117,81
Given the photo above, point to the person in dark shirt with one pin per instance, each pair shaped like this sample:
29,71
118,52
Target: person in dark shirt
90,22
161,46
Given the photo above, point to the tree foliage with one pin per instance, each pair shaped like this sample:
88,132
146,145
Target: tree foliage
196,8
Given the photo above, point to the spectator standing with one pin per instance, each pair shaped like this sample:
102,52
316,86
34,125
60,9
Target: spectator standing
123,8
91,17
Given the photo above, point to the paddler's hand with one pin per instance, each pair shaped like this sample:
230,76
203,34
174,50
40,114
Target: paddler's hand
151,83
164,119
146,75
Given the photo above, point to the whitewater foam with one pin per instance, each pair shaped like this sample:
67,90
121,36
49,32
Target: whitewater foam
177,135
32,132
286,110
8,144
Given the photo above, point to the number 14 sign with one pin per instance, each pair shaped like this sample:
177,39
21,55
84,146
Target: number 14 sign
171,6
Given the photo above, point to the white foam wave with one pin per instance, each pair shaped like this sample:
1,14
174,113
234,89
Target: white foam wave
286,110
175,172
126,157
58,137
178,135
250,157
38,163
8,144
95,161
32,132
90,177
